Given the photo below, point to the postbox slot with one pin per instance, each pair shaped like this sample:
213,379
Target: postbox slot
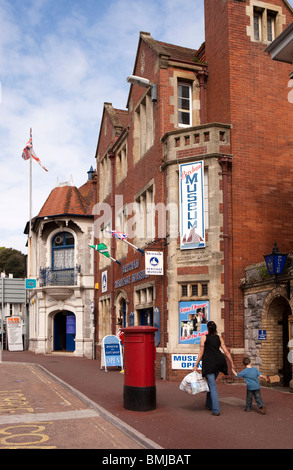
134,339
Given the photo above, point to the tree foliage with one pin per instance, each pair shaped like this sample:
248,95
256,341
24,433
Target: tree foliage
12,262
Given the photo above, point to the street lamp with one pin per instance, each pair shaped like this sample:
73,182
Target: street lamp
144,82
275,262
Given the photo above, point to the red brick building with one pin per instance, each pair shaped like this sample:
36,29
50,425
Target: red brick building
198,168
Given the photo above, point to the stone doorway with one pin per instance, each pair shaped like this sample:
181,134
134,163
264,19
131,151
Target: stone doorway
274,350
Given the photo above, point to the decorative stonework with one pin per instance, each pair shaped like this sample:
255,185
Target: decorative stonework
253,305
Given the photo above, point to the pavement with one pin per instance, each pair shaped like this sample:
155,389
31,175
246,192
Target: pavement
68,402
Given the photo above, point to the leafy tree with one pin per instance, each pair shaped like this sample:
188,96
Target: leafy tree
12,262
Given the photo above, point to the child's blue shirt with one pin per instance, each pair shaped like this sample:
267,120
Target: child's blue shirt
250,375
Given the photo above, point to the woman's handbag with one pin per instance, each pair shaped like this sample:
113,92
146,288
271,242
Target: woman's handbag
194,383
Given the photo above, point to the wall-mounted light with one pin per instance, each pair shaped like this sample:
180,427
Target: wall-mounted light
144,82
275,262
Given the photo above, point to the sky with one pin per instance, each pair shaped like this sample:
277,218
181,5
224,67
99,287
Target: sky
60,61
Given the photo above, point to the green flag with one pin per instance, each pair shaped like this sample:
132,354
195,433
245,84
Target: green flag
102,248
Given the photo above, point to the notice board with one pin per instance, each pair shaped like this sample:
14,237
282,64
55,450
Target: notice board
14,333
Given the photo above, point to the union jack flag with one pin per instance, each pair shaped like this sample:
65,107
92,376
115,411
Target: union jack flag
28,152
27,149
117,234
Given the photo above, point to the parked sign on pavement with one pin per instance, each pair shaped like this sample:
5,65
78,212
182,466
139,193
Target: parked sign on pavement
111,354
14,333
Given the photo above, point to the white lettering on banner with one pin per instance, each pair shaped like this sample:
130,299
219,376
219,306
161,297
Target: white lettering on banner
191,200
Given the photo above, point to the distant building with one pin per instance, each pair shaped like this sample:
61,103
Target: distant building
62,262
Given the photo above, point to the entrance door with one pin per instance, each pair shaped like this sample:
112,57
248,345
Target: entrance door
64,331
146,316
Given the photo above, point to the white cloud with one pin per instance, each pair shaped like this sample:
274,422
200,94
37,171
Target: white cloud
60,60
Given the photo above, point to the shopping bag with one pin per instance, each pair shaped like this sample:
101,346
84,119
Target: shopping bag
194,383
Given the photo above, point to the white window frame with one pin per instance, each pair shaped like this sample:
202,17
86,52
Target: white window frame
189,111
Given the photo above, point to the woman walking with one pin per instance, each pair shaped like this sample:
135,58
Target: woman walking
213,362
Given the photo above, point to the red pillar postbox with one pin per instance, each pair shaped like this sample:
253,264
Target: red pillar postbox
139,392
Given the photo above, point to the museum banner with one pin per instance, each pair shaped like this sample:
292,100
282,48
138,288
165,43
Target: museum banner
191,202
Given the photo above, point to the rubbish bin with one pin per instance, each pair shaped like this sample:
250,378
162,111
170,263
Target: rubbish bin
139,392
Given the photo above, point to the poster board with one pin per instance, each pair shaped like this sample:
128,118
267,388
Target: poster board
14,333
111,353
193,318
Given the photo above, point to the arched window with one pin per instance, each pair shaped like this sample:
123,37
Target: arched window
63,251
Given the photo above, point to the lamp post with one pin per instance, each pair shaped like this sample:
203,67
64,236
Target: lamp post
275,262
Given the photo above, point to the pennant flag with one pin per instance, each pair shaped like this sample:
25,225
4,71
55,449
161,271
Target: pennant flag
102,248
28,152
122,236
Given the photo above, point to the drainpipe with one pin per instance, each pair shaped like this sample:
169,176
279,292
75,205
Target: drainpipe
112,160
225,163
202,75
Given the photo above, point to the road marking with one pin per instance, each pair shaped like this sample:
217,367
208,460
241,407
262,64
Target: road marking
39,417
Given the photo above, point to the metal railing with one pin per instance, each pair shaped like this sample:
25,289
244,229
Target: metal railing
58,277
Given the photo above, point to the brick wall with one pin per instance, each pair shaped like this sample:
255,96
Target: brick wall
247,89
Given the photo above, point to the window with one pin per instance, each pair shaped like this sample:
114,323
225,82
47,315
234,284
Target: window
271,18
257,25
184,104
63,251
144,297
104,317
195,289
121,164
121,226
145,214
143,128
265,24
105,237
105,177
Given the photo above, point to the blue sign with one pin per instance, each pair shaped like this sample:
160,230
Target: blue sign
30,283
112,355
262,334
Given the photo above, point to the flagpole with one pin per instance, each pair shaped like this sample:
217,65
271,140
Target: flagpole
30,210
128,243
135,247
118,262
95,247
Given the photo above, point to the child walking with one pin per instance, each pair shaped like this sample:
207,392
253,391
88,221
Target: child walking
251,375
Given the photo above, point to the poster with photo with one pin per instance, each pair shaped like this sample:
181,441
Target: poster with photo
193,318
